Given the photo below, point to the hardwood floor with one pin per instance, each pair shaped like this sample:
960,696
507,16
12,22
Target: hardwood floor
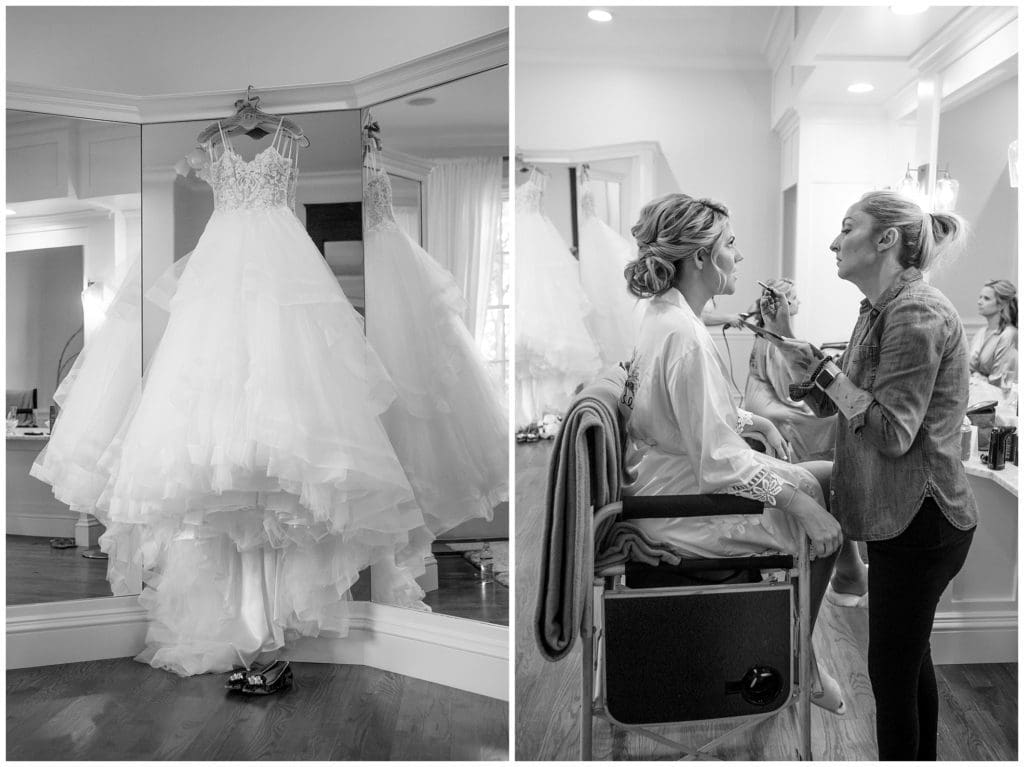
36,572
978,708
461,593
124,710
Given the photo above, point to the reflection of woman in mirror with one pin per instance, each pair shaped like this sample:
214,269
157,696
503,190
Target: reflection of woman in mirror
684,430
994,347
767,391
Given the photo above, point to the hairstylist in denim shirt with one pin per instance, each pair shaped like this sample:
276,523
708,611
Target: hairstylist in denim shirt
898,482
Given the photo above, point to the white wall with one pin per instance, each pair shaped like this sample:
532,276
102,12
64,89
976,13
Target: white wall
44,309
713,127
973,140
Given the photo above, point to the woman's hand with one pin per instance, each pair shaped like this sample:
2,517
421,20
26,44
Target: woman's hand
801,356
774,308
821,527
772,437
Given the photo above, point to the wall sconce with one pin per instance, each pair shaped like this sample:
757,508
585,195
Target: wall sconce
947,190
94,306
914,185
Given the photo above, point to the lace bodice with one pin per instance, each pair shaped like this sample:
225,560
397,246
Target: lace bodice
529,195
267,181
379,213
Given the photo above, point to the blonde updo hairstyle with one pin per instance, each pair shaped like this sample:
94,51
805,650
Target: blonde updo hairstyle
670,230
927,238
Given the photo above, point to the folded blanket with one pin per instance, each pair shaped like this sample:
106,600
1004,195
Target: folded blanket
625,542
585,473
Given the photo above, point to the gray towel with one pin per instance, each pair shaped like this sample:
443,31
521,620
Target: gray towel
585,472
625,542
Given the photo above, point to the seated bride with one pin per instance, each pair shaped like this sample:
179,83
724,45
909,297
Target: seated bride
683,428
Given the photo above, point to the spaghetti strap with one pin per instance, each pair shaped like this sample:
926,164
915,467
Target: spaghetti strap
277,133
223,139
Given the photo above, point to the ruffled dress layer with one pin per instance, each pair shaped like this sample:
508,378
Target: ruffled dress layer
604,253
555,351
252,479
448,424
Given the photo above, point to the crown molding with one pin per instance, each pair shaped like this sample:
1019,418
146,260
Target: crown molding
589,154
54,221
469,58
964,32
780,36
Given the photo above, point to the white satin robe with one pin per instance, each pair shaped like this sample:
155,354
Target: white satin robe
683,437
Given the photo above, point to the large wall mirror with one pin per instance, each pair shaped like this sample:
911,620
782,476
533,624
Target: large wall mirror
73,242
445,154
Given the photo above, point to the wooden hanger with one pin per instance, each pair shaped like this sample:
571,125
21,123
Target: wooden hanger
252,121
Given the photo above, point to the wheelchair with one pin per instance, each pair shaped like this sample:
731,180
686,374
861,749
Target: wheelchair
644,626
699,641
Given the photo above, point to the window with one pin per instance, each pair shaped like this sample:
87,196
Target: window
495,340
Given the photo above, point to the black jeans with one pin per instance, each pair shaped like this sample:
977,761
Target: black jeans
906,578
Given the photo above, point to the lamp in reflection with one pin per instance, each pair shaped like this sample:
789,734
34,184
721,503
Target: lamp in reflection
94,305
947,190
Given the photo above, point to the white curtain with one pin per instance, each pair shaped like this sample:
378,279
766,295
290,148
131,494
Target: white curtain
463,218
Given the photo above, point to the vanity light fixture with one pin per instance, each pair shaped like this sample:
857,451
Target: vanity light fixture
943,199
908,7
947,190
860,88
599,14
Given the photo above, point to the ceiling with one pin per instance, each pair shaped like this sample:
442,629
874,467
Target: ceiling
849,43
468,117
704,36
168,50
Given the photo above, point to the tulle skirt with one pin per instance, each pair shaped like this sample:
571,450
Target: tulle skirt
448,424
615,319
555,352
252,478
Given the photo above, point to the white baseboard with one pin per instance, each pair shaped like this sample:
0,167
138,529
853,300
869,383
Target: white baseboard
467,655
74,631
41,520
989,637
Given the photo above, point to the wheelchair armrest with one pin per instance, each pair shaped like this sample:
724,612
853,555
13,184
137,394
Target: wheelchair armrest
708,505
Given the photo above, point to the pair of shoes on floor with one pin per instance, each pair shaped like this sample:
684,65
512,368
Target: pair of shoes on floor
529,434
260,680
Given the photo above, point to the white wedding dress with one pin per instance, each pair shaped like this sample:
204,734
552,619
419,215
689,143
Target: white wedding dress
604,254
252,479
555,352
448,424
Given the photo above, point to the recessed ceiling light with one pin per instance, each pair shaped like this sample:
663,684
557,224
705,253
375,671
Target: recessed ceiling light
861,88
598,14
907,7
421,101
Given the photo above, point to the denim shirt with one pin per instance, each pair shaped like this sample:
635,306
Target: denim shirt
909,351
